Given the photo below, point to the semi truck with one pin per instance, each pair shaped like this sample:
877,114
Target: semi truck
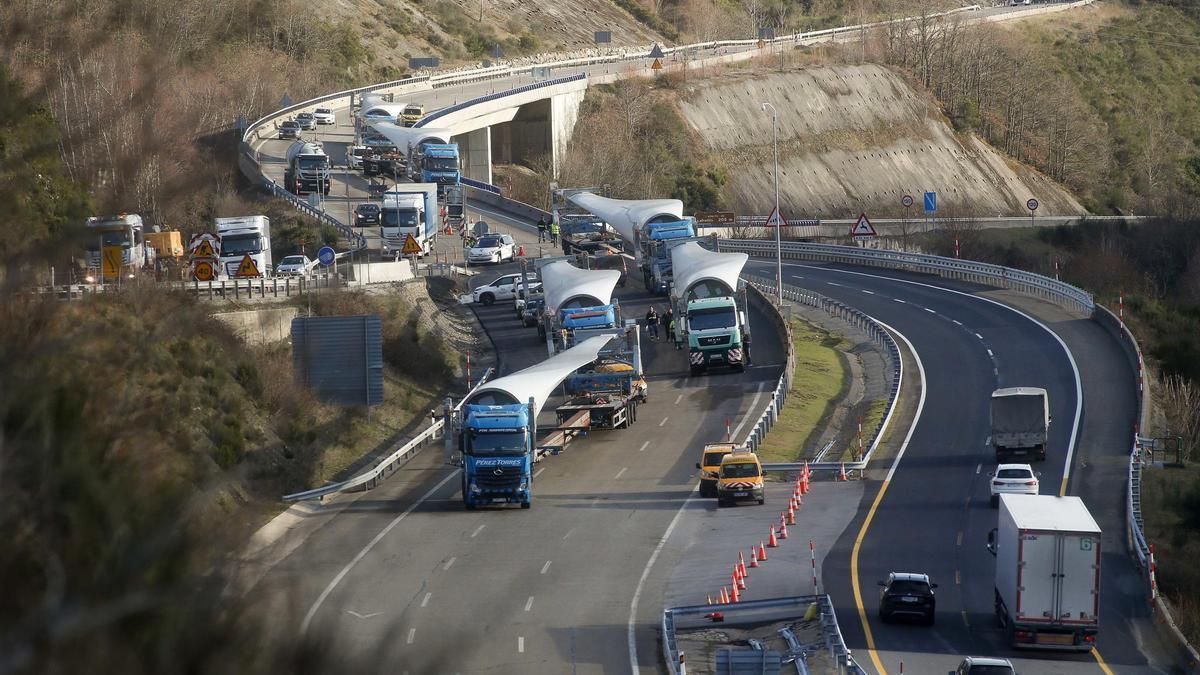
1047,591
245,246
435,163
610,388
115,246
1020,423
307,168
656,244
705,294
408,210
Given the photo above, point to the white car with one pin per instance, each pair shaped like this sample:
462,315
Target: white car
504,288
324,116
294,266
306,121
983,665
1013,479
492,248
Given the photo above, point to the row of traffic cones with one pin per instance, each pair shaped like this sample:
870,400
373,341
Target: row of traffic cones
758,556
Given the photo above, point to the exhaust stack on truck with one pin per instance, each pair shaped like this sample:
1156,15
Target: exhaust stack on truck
1047,572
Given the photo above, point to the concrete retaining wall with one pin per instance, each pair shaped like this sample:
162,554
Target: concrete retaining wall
260,326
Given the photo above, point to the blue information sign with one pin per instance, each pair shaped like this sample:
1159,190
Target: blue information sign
930,202
326,255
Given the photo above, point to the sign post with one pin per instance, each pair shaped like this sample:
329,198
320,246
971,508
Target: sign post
930,207
777,221
204,253
1032,205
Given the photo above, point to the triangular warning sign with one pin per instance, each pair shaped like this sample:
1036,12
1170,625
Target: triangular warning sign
656,52
247,268
204,250
411,247
657,65
776,219
863,228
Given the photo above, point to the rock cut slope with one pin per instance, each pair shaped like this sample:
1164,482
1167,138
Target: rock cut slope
854,138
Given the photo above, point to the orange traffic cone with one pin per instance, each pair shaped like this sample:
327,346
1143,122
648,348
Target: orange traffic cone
783,531
724,596
738,580
753,557
708,599
842,473
741,565
791,516
737,597
772,542
762,552
520,251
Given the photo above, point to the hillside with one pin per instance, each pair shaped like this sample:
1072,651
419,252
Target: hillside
852,138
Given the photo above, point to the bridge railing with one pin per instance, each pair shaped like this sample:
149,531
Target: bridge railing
438,114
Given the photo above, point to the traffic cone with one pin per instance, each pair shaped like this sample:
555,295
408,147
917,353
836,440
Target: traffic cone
753,557
742,565
738,582
773,542
520,251
783,531
762,552
708,599
842,473
791,516
723,597
737,597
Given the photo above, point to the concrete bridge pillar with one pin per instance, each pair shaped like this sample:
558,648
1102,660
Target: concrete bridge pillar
564,112
475,152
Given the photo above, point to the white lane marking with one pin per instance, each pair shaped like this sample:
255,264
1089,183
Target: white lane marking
362,616
644,446
620,473
960,536
477,530
899,301
412,633
538,472
868,292
978,468
449,563
664,421
831,283
956,321
521,645
929,310
637,592
991,354
545,567
568,533
749,411
425,600
529,603
312,611
678,399
1066,350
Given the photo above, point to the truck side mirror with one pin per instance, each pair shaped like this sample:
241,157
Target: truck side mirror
991,542
697,465
933,585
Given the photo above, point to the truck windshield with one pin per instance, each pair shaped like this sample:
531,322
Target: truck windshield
708,319
498,443
312,164
240,244
110,238
714,458
441,164
739,471
400,218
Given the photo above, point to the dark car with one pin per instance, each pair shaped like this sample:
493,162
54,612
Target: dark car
289,129
906,594
532,310
366,214
307,121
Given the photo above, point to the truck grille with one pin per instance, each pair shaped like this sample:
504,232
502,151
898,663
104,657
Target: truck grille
713,341
496,478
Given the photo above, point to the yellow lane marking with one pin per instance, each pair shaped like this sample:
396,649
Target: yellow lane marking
1100,662
858,601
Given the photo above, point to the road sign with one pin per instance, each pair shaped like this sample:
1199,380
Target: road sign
906,201
285,101
203,270
715,218
863,229
776,219
656,52
1032,204
204,250
423,62
247,268
657,65
603,37
411,247
326,255
930,202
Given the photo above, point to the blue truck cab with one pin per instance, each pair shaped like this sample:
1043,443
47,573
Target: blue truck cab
496,442
602,316
658,258
439,164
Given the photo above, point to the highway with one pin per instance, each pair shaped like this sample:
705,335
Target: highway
935,515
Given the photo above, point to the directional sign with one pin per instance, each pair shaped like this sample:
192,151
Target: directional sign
326,255
715,218
603,37
906,201
776,219
411,247
863,229
657,65
1032,204
930,202
247,268
656,52
203,270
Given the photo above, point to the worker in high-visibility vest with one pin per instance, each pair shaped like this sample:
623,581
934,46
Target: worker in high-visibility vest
553,231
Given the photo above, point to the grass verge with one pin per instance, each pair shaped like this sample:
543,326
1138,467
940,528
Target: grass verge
820,378
1171,509
871,421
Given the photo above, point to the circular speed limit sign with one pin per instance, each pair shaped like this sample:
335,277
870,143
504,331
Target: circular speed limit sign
907,201
203,271
1032,204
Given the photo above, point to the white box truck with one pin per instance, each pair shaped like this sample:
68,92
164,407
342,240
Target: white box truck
1020,423
1047,572
245,247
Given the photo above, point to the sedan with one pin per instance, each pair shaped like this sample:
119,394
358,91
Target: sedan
294,266
1013,479
306,121
907,594
493,248
324,116
289,129
366,214
983,665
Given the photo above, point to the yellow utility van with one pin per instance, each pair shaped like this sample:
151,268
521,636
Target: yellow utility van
710,466
411,114
740,478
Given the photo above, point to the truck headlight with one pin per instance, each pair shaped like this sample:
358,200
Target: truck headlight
473,487
523,486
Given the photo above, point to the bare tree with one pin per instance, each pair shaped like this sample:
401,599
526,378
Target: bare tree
1180,401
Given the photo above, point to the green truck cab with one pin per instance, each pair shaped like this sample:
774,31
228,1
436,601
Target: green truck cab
714,334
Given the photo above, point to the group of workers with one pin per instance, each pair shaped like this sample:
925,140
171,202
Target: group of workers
547,229
654,320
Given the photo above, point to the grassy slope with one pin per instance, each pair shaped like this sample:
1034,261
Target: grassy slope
819,380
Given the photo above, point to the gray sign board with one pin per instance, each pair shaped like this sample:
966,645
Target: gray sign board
603,37
424,62
340,358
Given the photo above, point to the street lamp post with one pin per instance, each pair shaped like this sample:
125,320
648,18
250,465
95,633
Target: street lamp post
778,243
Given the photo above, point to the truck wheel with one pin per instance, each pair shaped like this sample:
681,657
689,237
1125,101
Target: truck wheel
487,299
762,500
526,505
694,371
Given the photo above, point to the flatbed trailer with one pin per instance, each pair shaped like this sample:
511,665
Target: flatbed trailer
606,409
569,428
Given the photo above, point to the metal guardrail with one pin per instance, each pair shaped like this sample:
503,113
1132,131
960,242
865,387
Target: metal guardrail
386,466
1037,285
872,328
776,609
480,185
438,114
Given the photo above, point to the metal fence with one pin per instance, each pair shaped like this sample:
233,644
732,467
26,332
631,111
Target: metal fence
385,467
